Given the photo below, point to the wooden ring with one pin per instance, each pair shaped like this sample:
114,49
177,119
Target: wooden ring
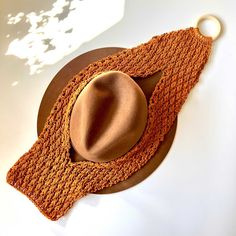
215,20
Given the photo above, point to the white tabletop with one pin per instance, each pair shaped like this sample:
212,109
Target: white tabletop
193,191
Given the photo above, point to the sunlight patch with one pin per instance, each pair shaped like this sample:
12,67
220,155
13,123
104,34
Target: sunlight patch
58,32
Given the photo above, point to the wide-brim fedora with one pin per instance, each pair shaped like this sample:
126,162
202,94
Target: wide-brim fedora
46,173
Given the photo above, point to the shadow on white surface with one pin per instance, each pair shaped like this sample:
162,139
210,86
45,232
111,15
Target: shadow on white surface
50,35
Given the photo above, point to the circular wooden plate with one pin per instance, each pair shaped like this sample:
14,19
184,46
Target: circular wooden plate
60,81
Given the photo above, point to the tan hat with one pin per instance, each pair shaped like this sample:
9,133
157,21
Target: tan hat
120,145
108,117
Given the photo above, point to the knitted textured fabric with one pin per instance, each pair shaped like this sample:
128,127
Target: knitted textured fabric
46,174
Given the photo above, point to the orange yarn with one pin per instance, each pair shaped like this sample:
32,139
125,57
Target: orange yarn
46,175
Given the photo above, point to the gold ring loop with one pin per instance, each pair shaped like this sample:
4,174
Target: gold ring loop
215,20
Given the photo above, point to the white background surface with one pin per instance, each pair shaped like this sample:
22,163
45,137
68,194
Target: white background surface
193,192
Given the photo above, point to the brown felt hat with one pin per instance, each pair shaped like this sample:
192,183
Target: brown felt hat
108,117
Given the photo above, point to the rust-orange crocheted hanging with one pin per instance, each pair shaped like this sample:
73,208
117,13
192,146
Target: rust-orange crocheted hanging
46,174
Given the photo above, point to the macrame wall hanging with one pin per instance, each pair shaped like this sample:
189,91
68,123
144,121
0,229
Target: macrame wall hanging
112,124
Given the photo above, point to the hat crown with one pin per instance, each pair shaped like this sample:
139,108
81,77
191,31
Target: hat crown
108,118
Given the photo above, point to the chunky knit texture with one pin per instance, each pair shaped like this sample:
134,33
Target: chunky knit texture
46,173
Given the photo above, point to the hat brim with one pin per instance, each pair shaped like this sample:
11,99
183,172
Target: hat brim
60,81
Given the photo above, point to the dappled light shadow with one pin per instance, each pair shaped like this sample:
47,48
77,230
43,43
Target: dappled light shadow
45,37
